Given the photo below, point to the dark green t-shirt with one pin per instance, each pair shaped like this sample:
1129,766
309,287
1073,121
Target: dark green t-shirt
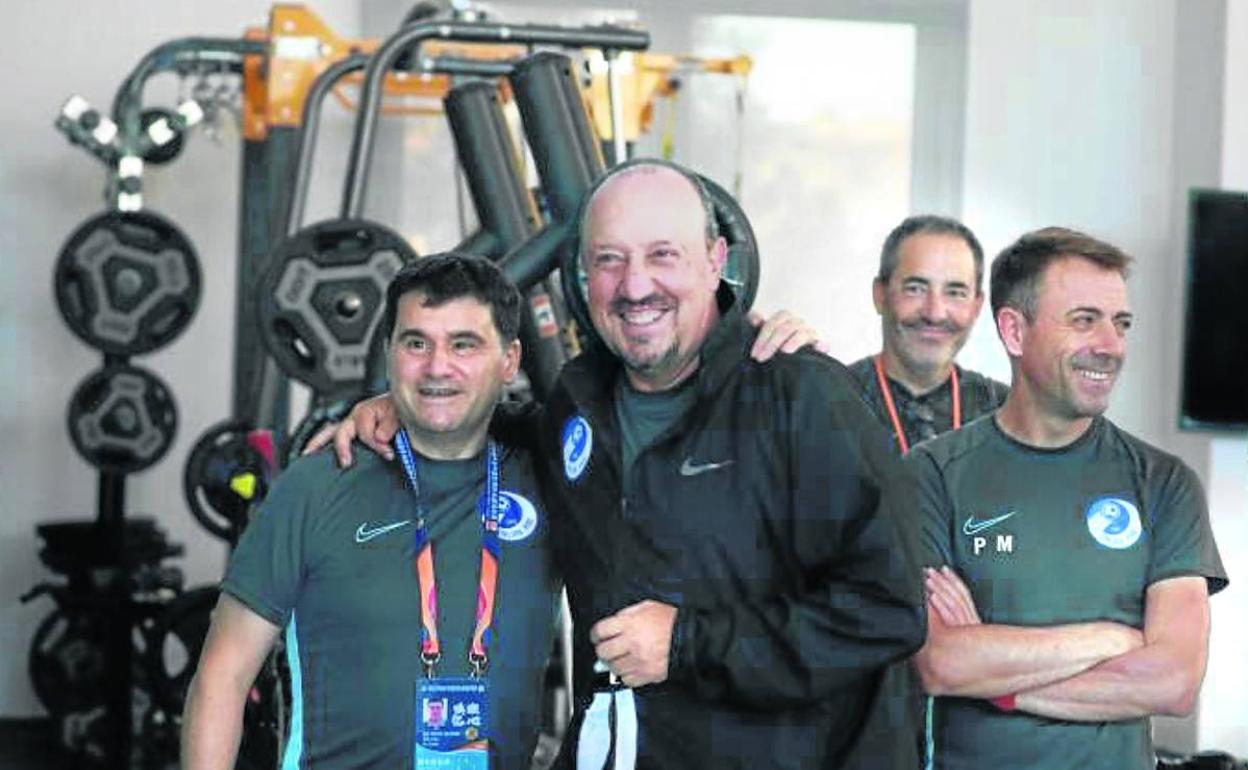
1049,537
330,557
643,417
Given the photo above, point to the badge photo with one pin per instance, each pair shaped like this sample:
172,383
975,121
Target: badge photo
578,444
452,723
1114,522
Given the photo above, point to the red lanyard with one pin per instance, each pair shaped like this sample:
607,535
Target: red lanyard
430,644
892,408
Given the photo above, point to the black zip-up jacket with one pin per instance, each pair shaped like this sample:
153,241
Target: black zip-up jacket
762,515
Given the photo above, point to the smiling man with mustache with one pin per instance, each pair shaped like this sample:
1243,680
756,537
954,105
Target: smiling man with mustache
928,292
1069,563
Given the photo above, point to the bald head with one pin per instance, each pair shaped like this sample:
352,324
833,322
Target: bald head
653,266
648,167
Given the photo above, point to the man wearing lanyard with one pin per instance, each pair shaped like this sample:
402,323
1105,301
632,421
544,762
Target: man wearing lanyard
418,598
727,528
928,293
1070,563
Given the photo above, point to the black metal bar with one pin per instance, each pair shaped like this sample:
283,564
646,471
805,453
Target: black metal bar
491,164
533,260
309,128
480,242
325,83
114,617
225,52
566,151
458,65
505,208
111,500
383,60
261,395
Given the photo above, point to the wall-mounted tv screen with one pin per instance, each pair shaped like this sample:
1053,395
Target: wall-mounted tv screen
1215,344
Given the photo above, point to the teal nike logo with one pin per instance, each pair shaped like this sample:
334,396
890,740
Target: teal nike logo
363,534
972,527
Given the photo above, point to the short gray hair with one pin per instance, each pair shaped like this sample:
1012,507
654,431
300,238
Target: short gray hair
928,224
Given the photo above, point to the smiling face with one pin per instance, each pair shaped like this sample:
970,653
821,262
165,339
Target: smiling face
1067,359
927,307
651,274
447,368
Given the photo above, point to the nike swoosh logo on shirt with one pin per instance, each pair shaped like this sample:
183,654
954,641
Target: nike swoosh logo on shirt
972,527
363,534
688,468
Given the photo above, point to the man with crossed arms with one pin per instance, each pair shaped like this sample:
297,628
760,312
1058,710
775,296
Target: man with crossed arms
1069,563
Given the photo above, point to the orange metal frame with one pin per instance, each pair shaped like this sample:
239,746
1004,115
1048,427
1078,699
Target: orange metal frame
301,47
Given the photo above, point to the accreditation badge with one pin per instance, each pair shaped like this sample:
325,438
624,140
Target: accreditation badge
452,723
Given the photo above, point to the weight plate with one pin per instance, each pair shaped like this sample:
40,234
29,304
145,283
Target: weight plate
322,297
66,662
224,476
175,641
127,283
742,270
122,419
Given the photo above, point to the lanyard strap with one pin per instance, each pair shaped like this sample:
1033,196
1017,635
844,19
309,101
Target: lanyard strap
892,407
487,586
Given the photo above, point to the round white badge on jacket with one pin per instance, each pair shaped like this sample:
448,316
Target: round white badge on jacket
578,444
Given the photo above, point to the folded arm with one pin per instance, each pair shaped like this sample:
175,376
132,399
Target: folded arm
965,657
1161,677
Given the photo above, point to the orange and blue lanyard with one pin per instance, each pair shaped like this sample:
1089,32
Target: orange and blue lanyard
892,407
487,587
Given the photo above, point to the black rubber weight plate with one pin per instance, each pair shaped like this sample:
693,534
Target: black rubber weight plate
122,419
127,283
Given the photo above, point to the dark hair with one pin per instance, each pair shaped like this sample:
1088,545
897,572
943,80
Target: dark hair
644,166
452,275
1017,269
928,224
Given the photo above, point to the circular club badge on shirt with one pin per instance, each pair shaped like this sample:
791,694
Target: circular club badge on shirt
518,519
517,516
1114,522
578,444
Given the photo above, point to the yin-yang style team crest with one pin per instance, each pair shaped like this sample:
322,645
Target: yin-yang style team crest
517,516
1114,522
578,444
518,520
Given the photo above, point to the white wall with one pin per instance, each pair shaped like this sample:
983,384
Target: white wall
55,48
1099,116
1224,704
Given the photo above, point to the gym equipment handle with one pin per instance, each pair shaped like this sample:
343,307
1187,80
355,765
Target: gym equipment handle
607,38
